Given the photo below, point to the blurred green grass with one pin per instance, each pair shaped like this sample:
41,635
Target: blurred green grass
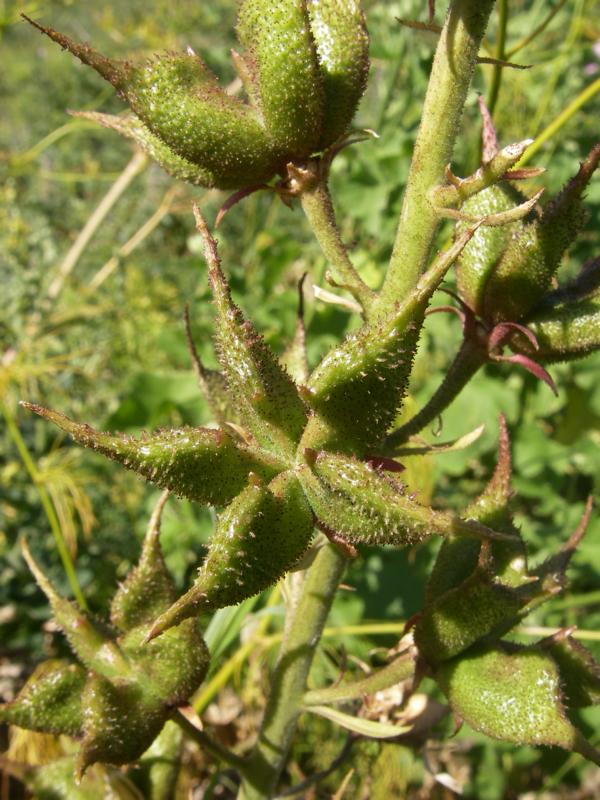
114,354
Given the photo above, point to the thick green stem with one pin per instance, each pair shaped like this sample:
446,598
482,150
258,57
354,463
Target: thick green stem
451,74
469,359
288,682
318,208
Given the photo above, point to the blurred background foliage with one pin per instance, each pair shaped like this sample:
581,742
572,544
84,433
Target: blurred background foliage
92,296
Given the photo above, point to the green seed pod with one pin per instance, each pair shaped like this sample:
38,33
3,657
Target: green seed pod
264,393
579,671
133,128
342,42
479,607
203,464
50,701
480,257
458,557
355,501
513,695
120,722
503,274
179,100
358,387
283,58
261,535
566,323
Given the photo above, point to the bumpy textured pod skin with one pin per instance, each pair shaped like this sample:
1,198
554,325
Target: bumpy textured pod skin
268,401
567,321
133,128
203,464
512,696
283,58
459,557
50,701
179,100
579,672
480,257
342,42
120,703
262,534
354,500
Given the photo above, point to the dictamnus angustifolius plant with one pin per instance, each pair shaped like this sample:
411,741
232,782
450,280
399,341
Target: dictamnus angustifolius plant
301,463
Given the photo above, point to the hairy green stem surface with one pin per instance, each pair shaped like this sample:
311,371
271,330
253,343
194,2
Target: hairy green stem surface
319,211
468,360
451,74
288,681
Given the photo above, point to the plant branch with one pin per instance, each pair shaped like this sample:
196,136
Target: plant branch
288,681
468,360
398,670
451,74
206,742
317,206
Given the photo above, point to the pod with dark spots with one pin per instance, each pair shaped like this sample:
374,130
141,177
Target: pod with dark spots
579,671
179,100
203,464
342,43
50,701
283,58
513,695
261,535
268,401
358,387
363,506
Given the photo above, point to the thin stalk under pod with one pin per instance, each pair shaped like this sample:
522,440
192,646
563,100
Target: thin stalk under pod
288,681
469,359
451,74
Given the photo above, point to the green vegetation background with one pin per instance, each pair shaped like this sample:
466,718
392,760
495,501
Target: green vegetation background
109,348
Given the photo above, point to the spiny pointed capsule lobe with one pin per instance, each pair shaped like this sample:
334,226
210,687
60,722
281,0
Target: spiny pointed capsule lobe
579,671
458,557
481,256
259,537
283,57
358,387
178,99
342,43
50,701
357,502
90,643
268,400
512,696
133,128
202,464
